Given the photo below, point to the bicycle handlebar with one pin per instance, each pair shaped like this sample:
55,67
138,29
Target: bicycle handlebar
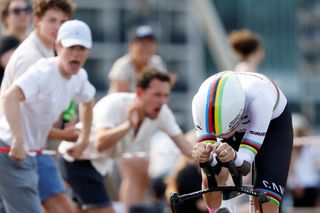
228,191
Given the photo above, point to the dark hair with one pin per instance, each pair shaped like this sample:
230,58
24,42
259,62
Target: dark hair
8,43
244,42
149,74
4,7
40,7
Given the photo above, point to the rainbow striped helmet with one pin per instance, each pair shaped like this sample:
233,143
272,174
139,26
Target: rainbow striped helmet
218,106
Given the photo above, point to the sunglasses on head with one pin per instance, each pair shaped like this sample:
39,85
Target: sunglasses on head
19,10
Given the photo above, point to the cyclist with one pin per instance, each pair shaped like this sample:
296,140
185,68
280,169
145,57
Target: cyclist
243,116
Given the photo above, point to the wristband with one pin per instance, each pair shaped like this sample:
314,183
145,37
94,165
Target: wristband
238,161
241,157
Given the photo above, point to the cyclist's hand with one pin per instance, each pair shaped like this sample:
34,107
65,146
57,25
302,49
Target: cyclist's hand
225,152
201,152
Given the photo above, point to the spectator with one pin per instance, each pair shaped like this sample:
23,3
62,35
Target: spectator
16,17
164,156
124,75
30,107
248,49
141,55
304,179
8,44
186,178
48,16
124,123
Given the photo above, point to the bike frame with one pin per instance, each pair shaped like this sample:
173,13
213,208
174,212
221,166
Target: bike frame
228,191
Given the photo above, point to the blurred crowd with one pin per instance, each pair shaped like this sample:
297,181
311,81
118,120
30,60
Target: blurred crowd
140,177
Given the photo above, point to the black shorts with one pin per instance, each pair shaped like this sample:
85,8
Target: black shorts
88,188
273,159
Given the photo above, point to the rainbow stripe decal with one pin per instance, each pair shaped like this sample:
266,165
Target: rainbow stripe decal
274,197
251,145
208,138
213,105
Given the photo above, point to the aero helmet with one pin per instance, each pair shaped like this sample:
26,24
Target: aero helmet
218,106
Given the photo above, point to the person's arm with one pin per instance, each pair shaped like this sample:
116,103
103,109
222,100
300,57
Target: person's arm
108,137
11,107
68,134
86,120
64,128
183,144
119,75
119,86
260,113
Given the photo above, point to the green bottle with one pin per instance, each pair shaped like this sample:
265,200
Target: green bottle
68,114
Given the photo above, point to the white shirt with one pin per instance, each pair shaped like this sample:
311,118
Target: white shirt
306,168
124,70
110,112
28,52
47,93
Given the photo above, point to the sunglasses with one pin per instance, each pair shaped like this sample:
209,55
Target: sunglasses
19,10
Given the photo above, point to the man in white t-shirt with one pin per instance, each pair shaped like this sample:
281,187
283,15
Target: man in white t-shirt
127,69
48,16
30,107
124,124
125,73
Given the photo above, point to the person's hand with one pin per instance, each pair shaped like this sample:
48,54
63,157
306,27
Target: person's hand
76,150
134,113
201,151
70,133
17,151
225,152
71,123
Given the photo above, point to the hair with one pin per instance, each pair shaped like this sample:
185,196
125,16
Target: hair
4,8
40,7
301,125
150,74
244,43
8,43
